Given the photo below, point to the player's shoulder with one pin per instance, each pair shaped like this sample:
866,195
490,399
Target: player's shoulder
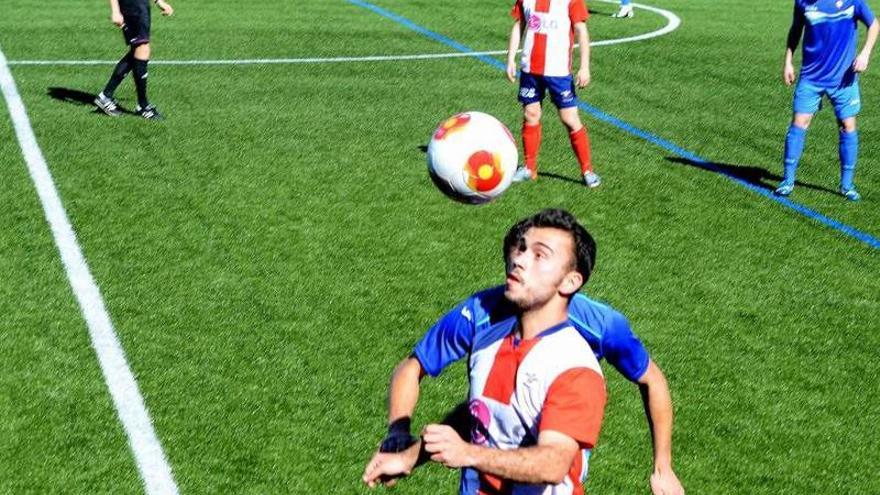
595,316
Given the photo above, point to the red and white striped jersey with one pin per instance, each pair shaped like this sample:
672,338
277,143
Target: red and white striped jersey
549,34
520,388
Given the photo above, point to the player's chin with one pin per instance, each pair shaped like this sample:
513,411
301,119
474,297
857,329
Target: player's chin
517,295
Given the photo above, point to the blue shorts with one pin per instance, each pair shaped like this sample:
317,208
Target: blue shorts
532,89
846,98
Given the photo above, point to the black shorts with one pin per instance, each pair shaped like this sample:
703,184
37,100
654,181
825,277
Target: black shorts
136,15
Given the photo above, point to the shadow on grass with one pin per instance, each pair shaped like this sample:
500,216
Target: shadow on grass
755,176
77,97
424,149
549,175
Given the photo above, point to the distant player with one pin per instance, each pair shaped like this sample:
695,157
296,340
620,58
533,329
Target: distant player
626,10
549,28
133,16
830,68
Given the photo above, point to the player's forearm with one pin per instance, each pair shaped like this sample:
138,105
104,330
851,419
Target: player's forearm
513,43
789,57
584,43
658,409
538,464
404,392
114,7
871,39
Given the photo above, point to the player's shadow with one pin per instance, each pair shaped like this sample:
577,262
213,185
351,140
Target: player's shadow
755,176
77,97
550,175
459,419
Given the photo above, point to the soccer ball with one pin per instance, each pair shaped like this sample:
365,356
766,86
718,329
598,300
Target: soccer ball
472,157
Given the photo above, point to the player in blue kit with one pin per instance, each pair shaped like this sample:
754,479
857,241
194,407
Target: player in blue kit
488,313
830,67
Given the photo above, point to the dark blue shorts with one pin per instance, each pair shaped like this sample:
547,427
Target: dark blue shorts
136,29
532,89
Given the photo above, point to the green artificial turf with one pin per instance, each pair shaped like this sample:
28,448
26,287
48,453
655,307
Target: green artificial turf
271,250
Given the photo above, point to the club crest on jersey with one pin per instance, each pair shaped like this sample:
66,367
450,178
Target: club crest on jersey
839,4
481,420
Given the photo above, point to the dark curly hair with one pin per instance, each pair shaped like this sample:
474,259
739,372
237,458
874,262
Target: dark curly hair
584,244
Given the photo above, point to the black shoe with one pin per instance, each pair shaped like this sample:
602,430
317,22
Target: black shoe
107,105
149,112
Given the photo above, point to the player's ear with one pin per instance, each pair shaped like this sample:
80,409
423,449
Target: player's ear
571,283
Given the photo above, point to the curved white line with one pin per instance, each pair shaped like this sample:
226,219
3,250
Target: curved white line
672,23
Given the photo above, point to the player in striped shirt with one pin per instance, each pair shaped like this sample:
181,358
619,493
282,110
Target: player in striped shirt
547,29
478,322
537,394
830,67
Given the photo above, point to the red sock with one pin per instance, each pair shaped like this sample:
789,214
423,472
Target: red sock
580,143
531,137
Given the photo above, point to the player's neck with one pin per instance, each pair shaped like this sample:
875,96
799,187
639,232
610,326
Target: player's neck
534,321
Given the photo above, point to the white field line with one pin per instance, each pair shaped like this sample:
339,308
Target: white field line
672,23
151,462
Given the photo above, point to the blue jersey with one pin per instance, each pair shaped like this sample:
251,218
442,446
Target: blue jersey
830,36
487,317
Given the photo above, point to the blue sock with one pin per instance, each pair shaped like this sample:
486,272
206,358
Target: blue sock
849,153
794,148
624,2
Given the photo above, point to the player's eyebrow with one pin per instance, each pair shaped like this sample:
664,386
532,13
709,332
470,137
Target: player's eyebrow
545,246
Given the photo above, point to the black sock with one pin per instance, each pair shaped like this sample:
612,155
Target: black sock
119,73
140,81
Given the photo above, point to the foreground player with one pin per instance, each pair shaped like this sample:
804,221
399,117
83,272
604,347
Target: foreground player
537,395
604,329
133,16
626,10
830,67
549,27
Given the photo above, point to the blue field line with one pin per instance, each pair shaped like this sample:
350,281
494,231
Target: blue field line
658,141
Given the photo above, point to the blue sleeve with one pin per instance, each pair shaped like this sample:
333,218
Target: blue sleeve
449,340
863,12
798,15
623,349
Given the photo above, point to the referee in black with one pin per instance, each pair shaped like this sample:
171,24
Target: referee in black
133,16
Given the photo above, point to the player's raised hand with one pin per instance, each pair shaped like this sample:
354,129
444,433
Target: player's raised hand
583,77
788,74
446,447
666,483
511,71
117,19
166,8
861,63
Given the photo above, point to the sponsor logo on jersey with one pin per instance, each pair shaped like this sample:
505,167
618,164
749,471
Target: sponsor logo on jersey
539,23
467,314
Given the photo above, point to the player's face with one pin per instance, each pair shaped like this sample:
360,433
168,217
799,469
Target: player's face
540,267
